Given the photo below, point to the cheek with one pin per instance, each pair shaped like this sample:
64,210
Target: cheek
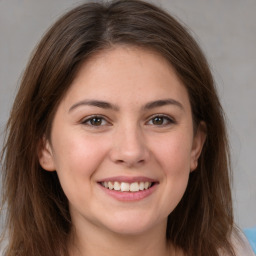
77,158
174,158
174,155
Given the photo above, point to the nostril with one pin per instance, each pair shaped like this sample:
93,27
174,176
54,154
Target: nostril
130,162
120,161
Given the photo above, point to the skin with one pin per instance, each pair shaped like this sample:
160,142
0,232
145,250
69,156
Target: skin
127,140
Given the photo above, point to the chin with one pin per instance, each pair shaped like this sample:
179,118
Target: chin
134,225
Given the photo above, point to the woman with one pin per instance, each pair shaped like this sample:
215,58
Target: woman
116,142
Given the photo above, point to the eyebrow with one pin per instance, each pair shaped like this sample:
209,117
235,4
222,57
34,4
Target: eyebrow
94,103
107,105
161,103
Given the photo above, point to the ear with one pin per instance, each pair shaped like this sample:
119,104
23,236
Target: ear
45,155
198,143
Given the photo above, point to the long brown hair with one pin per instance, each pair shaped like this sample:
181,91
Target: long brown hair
38,220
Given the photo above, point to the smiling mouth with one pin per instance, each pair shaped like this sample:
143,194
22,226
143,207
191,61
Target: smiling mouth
127,187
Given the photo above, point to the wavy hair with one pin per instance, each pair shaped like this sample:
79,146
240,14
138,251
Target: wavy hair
38,222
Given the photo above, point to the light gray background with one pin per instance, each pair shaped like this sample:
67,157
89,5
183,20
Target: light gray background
225,29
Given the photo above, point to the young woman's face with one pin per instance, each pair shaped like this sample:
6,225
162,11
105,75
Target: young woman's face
122,142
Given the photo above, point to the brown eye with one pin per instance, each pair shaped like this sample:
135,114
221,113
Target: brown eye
95,121
158,120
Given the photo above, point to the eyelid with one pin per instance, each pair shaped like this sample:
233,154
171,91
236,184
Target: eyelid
85,120
170,119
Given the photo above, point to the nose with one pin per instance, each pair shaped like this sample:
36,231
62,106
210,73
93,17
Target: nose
129,147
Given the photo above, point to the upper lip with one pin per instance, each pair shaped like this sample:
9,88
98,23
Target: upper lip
128,179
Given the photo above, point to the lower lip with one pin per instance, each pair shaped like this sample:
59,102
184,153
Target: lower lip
129,196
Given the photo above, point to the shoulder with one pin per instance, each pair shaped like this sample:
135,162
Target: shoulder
240,244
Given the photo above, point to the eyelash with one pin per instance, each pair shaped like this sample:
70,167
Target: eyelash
166,120
95,117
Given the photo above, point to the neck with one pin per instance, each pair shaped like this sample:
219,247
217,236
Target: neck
102,242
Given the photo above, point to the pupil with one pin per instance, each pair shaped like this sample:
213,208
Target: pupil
158,120
96,121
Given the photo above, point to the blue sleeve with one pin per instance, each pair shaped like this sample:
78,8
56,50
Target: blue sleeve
251,236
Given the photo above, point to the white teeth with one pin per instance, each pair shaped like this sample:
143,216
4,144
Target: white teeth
134,187
125,186
146,185
110,185
142,187
116,185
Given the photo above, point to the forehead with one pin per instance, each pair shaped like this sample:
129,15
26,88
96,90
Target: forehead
128,73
